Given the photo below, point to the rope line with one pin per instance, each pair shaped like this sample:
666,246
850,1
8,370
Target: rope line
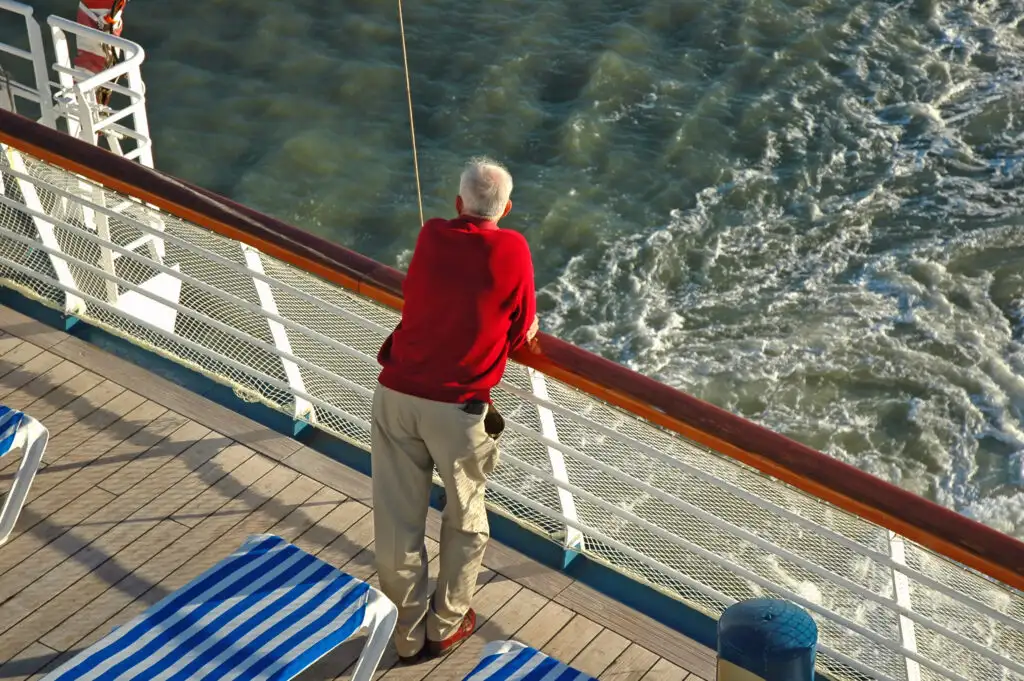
412,125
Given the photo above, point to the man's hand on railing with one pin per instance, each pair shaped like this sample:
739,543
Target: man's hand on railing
531,336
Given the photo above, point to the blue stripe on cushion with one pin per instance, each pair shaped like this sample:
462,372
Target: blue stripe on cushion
10,421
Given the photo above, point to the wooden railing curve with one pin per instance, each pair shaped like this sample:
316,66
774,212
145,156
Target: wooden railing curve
935,527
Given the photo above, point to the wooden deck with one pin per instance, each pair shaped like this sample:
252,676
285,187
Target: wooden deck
144,485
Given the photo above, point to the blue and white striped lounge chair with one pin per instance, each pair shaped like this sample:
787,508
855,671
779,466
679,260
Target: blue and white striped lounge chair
19,431
513,661
267,612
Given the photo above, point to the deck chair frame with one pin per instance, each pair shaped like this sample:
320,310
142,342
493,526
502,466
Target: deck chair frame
18,430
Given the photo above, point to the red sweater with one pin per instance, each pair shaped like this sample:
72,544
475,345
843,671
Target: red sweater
469,301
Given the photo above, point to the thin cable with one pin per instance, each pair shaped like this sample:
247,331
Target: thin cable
412,125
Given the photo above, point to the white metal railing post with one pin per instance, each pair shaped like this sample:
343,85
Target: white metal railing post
86,124
100,223
64,98
141,118
901,592
304,412
35,41
572,539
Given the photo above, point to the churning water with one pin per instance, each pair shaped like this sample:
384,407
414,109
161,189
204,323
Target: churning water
808,212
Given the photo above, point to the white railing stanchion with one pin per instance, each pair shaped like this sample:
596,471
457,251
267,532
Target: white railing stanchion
901,592
572,539
141,119
304,412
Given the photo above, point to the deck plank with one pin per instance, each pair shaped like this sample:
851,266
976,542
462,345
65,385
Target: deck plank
27,662
23,327
179,399
200,497
653,635
531,574
62,395
351,483
8,343
78,581
545,625
571,641
82,409
98,460
17,356
102,426
663,670
27,372
85,413
600,653
632,665
102,532
112,423
71,475
17,552
194,440
41,385
331,527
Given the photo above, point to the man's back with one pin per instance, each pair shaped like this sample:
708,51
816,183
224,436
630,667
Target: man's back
469,300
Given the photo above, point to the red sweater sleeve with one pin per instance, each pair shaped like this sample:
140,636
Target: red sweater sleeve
527,308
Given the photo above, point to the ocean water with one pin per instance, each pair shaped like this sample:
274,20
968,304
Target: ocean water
808,212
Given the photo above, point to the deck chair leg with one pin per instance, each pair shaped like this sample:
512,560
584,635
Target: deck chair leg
35,439
382,617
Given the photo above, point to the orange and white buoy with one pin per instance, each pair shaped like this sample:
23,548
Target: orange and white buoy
103,15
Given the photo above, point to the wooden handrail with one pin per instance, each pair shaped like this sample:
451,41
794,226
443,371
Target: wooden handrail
938,528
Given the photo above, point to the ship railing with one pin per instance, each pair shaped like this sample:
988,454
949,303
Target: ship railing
71,103
122,122
678,495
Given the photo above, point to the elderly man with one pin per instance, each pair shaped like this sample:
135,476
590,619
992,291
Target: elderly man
469,302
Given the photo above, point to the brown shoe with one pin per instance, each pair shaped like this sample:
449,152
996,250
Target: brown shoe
465,630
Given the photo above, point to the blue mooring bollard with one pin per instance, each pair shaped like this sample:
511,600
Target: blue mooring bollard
766,639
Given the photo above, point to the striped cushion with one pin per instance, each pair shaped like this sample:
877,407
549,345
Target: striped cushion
10,419
268,611
513,661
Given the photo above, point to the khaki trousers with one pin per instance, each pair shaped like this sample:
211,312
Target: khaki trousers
409,436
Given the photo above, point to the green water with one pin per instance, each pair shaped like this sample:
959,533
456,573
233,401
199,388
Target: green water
805,212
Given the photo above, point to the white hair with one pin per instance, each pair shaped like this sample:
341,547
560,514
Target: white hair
485,187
